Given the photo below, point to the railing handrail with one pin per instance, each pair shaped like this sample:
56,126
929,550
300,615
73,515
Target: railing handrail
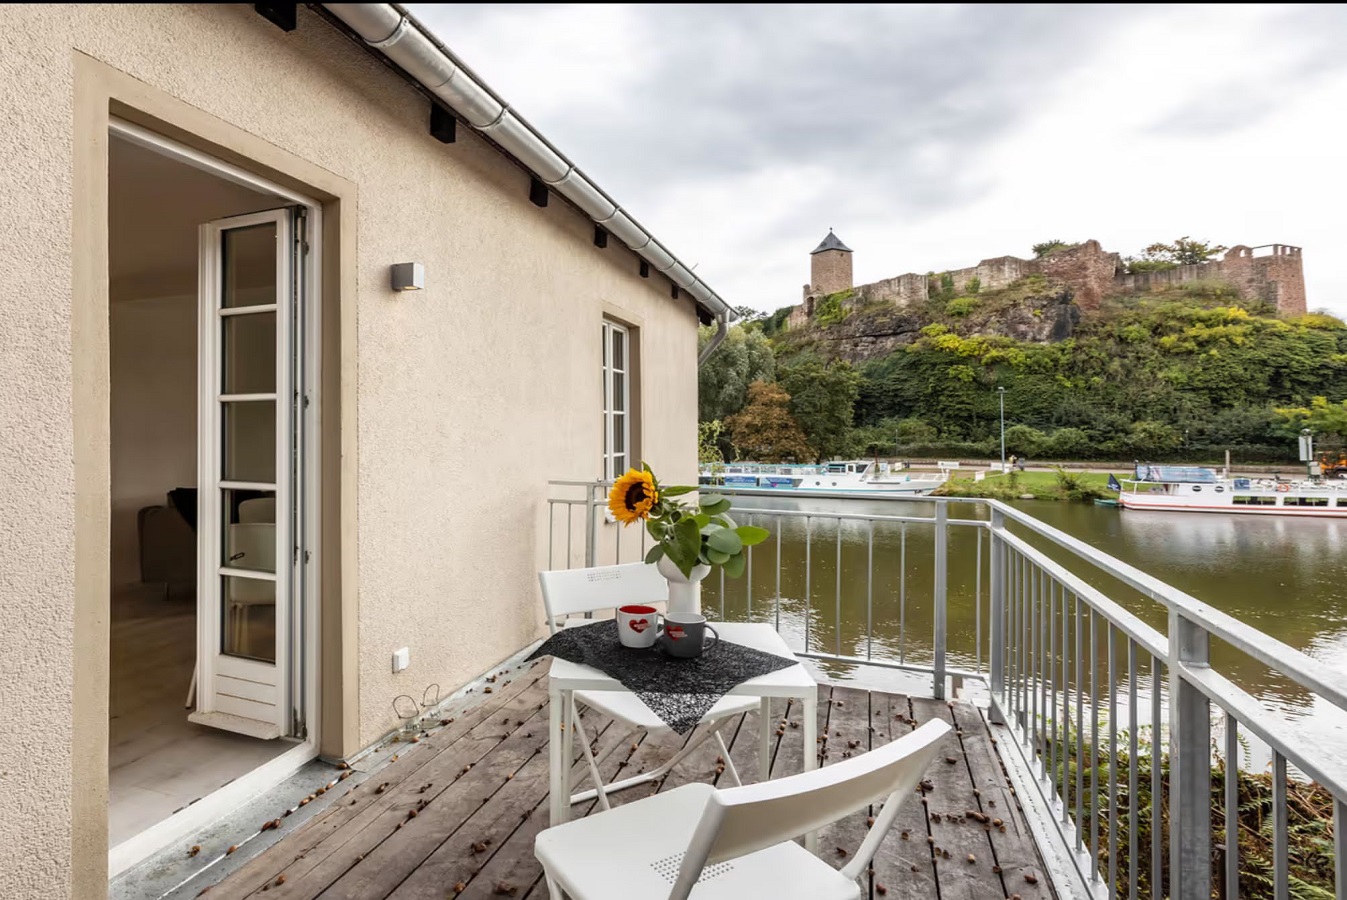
1243,637
856,517
1321,762
1151,640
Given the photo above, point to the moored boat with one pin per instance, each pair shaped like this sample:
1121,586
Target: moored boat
853,476
1200,489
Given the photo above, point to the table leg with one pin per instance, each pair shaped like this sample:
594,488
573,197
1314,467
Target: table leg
568,757
765,731
811,750
557,741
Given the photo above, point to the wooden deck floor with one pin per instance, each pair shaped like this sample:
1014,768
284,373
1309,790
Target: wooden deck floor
456,815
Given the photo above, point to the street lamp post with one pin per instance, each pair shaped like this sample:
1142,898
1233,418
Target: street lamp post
1001,392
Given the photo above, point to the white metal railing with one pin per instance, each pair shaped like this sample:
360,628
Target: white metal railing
1075,676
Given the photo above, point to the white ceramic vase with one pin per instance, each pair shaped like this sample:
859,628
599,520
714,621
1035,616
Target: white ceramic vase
685,594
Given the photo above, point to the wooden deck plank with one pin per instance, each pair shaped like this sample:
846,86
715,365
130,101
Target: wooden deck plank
1013,848
904,866
848,735
514,865
441,818
314,872
788,758
964,861
358,851
343,816
465,852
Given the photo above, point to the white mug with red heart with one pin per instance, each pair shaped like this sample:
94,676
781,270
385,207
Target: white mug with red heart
637,626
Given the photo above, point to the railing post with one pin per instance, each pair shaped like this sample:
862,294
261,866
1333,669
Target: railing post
591,526
1189,765
941,554
997,644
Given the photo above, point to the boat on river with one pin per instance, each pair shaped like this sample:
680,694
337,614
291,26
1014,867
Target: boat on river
1199,489
850,476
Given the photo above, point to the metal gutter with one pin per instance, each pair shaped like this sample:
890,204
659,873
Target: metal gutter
413,48
722,329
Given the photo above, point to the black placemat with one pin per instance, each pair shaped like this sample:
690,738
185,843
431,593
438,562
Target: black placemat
679,691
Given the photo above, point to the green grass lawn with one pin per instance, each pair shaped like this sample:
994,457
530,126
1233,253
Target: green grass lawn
1085,486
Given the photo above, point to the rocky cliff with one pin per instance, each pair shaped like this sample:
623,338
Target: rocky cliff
1036,308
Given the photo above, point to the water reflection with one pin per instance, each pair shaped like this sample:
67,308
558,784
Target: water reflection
1284,576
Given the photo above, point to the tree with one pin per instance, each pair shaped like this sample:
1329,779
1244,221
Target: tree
1043,249
913,432
745,356
823,397
1320,417
1068,443
1025,440
1149,437
1183,252
708,442
765,430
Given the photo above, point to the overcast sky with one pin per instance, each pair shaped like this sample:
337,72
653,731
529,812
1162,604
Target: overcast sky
933,137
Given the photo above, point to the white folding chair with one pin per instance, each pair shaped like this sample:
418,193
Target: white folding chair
569,592
709,844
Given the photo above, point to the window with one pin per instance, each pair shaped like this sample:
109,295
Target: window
616,400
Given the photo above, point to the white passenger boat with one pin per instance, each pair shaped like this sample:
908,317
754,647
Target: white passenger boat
854,476
1199,489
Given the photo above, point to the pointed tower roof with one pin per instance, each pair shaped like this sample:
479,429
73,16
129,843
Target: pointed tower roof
830,243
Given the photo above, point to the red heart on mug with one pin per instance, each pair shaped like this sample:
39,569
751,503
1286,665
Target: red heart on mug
639,625
675,632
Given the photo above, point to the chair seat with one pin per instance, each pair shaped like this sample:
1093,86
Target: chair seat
627,707
635,851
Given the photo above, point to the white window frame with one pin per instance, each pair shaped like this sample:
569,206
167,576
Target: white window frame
616,404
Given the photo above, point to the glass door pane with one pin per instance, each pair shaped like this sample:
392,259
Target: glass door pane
248,618
248,270
249,353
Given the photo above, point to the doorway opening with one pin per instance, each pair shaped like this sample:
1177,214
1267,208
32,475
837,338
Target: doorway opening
212,632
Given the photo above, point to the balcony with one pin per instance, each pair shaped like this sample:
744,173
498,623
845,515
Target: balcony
1040,649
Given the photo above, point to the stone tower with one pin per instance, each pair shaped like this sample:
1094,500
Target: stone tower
830,266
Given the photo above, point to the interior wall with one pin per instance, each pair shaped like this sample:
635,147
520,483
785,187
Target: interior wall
153,415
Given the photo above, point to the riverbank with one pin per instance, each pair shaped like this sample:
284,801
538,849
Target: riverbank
1033,485
1289,469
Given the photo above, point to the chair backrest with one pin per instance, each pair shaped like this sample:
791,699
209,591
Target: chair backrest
742,820
567,592
258,509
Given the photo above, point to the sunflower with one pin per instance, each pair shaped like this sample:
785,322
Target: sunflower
632,496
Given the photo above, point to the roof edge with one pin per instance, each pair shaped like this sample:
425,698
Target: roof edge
413,48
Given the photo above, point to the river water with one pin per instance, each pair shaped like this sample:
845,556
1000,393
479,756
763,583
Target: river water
1285,576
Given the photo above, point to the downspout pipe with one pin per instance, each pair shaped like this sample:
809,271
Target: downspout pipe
722,329
391,30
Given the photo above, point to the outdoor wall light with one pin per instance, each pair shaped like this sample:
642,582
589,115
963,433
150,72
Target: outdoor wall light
408,276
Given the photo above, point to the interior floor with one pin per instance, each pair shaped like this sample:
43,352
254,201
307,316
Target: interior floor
159,762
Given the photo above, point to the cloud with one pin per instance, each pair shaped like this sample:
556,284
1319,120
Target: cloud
931,136
907,96
1290,51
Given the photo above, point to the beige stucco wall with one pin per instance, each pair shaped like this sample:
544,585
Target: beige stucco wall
469,395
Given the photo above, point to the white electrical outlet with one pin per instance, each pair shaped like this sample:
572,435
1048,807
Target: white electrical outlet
401,659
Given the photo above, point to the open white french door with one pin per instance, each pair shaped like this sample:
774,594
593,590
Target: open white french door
250,595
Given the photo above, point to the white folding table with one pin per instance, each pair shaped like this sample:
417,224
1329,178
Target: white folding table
794,682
